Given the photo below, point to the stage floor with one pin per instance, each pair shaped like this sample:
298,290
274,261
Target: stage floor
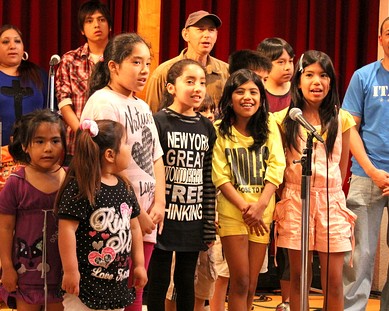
269,301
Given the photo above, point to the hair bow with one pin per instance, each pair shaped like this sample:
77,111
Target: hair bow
91,126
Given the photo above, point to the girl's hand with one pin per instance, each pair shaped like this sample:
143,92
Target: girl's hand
210,244
253,218
9,279
157,214
253,214
146,223
71,283
259,229
140,277
244,207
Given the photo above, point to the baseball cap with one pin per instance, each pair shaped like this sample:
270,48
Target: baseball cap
194,17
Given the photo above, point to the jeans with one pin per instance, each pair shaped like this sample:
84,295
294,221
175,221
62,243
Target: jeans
366,201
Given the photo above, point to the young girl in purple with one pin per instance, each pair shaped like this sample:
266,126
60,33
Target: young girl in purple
31,269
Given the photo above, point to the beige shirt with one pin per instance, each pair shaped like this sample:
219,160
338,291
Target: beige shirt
217,74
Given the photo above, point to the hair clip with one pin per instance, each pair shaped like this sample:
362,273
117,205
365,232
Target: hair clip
91,126
301,69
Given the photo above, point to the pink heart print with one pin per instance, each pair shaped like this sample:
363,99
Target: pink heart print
125,210
102,259
105,236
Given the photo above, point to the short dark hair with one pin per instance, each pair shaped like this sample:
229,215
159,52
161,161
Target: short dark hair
248,59
274,47
24,130
206,104
382,24
88,8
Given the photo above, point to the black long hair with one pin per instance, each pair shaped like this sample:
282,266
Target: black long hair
329,108
258,124
274,47
24,131
85,167
28,71
173,73
117,49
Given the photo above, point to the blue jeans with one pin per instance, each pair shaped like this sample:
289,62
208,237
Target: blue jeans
366,201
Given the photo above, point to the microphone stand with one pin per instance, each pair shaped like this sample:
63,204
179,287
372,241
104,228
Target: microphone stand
50,91
306,163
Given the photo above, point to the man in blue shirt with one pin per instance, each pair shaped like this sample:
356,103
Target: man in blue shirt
367,99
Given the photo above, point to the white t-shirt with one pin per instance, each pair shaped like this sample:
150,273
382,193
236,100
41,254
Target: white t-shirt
142,136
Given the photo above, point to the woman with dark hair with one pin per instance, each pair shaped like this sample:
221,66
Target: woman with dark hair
23,85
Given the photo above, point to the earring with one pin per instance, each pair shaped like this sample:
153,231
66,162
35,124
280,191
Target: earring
25,55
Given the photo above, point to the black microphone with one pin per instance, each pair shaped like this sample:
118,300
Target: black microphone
296,115
54,60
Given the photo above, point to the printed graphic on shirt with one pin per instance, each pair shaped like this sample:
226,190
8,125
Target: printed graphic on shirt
142,151
184,175
102,259
112,237
248,168
18,93
30,256
381,91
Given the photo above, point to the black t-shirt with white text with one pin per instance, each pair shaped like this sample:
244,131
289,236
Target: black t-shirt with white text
187,143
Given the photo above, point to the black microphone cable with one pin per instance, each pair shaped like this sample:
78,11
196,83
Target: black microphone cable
328,229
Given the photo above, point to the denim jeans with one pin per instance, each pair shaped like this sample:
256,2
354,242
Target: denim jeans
366,201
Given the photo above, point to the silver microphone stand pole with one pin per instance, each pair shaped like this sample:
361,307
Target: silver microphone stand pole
306,163
50,93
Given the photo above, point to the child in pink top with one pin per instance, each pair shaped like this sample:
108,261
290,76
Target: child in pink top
314,91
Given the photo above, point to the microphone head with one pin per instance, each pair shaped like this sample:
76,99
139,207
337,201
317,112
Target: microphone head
294,112
54,60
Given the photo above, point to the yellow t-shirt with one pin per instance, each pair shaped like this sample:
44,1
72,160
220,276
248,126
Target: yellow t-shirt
247,170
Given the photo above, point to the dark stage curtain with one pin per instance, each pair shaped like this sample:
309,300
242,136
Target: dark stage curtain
347,30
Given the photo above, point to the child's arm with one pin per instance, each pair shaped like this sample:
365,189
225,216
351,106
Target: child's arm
157,211
230,193
146,223
344,159
209,195
9,276
137,255
67,249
